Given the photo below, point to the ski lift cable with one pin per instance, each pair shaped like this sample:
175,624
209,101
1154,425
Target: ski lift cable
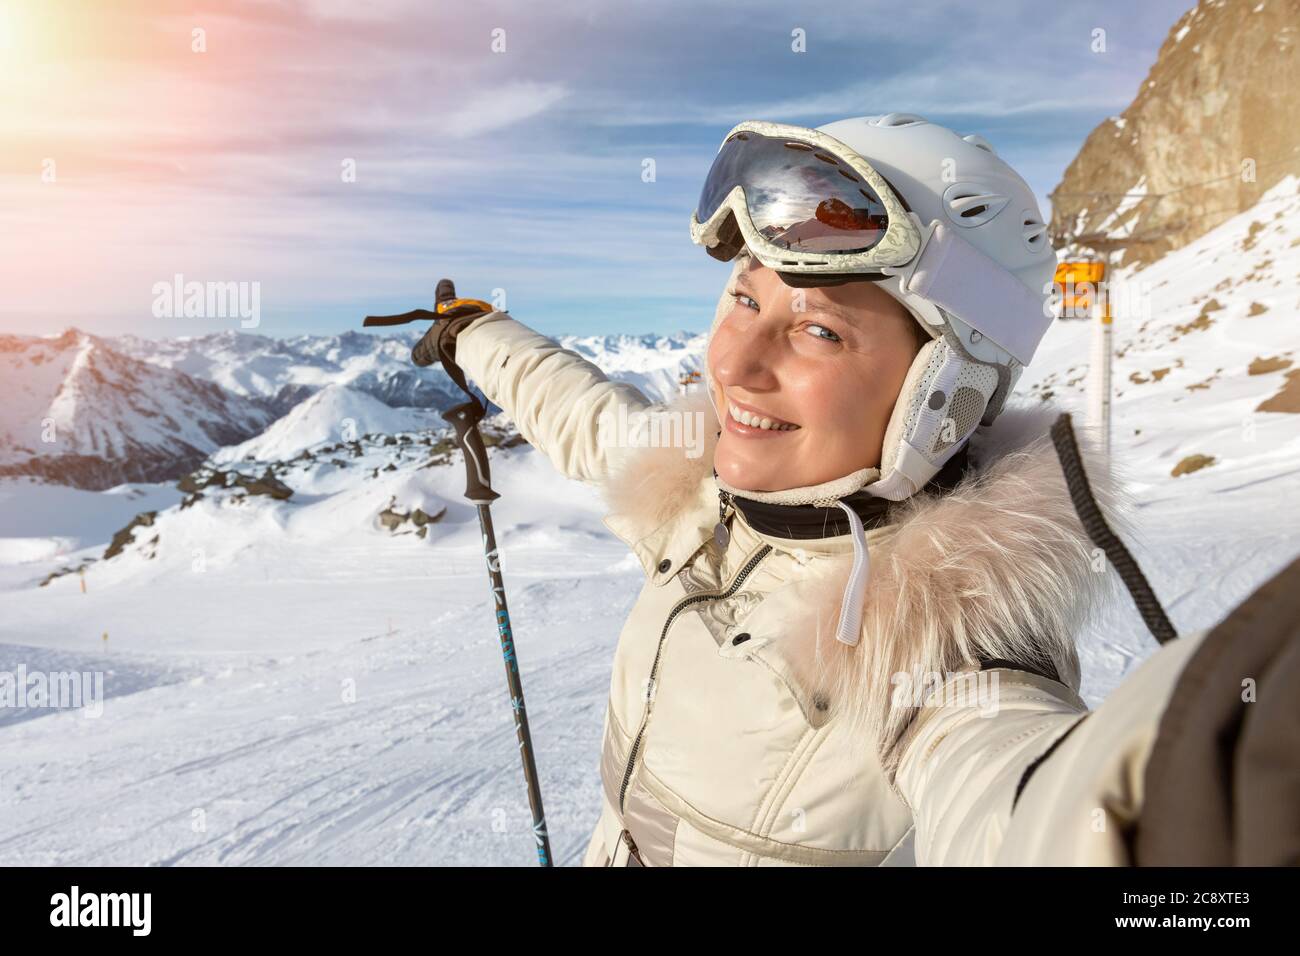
1169,192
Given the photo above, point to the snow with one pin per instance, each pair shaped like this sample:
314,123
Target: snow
1207,539
32,511
290,684
1119,218
227,681
653,363
336,413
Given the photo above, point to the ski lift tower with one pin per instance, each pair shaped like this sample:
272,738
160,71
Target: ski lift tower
1103,245
1082,291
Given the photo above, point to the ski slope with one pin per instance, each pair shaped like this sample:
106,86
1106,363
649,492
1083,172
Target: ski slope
289,683
226,687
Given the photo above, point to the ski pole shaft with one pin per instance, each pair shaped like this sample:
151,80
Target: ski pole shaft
522,733
437,346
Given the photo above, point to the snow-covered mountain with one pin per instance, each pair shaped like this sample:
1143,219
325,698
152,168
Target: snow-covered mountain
135,409
335,413
1207,361
78,412
655,364
282,372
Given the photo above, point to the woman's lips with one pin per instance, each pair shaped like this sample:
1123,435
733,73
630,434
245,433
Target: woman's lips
750,422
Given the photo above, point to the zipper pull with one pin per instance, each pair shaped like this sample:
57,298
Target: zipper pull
632,851
720,533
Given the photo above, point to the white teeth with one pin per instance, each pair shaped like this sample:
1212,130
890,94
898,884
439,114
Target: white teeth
754,421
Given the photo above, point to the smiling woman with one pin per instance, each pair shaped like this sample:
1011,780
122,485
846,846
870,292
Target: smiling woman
805,380
843,610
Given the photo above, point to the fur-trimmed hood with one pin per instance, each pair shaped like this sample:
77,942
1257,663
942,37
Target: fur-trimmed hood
999,568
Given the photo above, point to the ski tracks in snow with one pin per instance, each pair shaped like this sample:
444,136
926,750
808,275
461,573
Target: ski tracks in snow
392,749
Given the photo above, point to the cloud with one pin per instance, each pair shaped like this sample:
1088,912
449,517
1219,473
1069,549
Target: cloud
521,168
499,108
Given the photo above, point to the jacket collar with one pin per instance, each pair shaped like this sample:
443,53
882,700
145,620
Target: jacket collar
666,547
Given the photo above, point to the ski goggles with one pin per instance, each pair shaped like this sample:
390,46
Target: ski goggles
815,212
803,203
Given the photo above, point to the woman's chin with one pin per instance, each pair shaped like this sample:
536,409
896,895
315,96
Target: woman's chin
753,466
740,472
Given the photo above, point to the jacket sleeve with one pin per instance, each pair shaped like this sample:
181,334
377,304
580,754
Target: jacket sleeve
557,398
963,759
1082,805
1025,775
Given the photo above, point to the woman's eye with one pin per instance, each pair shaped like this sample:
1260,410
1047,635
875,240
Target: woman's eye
829,335
746,301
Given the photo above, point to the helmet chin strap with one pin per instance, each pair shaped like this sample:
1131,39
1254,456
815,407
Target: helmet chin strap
849,629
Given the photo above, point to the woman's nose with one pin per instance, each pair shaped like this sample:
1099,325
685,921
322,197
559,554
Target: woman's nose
747,359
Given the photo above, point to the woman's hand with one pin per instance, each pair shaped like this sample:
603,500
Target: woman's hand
451,316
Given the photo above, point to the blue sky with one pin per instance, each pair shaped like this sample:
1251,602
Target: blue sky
518,169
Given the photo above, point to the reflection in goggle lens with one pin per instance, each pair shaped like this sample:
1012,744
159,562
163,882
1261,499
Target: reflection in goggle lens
799,197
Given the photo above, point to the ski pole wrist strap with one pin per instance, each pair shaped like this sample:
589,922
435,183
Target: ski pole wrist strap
446,348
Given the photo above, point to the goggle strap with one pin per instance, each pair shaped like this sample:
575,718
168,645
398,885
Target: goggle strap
961,279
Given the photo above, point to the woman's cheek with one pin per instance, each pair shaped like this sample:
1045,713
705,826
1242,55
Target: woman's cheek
816,400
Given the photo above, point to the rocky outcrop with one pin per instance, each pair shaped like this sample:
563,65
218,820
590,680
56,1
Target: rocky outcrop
268,484
207,477
1211,129
97,473
127,535
395,516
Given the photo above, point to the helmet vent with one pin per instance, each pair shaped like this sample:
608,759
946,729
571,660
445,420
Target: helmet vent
1035,232
969,204
895,120
976,140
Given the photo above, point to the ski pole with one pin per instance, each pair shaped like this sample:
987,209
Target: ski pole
464,419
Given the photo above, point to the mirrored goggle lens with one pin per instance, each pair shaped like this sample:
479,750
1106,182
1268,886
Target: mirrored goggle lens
799,196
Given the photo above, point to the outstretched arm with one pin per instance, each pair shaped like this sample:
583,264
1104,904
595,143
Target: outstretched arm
963,759
555,396
1026,775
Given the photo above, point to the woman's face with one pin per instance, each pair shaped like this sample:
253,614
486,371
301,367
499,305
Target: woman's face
821,367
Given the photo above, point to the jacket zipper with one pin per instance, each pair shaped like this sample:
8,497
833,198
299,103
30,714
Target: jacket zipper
681,605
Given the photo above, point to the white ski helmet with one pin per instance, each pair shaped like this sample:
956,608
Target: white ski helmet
947,228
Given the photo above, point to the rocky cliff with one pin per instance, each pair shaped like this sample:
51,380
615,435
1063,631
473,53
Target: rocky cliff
1214,125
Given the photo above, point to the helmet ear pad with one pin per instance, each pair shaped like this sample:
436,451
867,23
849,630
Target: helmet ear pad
940,405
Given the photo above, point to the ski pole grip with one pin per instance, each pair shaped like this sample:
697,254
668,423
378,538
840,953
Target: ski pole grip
464,419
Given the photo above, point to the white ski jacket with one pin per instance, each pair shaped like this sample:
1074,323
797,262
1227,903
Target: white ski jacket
740,732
